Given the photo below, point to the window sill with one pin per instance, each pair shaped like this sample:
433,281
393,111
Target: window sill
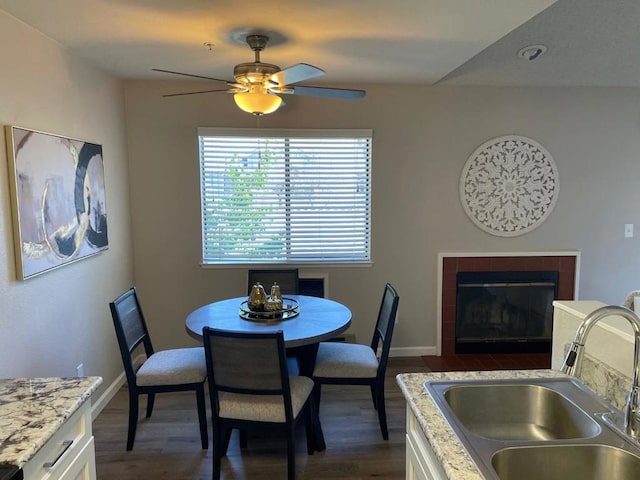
324,265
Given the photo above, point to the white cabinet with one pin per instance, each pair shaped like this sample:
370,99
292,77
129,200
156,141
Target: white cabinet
83,466
69,454
415,471
421,460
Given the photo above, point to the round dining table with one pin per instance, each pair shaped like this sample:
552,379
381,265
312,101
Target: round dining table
319,319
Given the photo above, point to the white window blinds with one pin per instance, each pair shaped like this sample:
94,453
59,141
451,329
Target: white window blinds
285,196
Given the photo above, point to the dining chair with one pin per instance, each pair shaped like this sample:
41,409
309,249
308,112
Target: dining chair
340,363
287,279
250,387
174,370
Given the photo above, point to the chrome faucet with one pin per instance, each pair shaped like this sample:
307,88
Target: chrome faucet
573,362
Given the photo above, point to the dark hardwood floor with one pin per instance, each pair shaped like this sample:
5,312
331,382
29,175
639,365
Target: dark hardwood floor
167,445
488,361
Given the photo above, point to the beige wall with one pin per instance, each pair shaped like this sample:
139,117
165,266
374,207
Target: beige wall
422,138
51,323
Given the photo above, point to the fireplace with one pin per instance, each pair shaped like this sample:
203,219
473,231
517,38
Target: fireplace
505,312
566,264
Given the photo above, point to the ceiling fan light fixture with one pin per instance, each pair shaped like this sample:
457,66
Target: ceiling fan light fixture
257,85
257,103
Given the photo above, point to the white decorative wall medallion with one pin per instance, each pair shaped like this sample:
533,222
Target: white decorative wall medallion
509,185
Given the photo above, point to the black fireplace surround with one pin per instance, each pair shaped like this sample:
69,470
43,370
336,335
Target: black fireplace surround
505,312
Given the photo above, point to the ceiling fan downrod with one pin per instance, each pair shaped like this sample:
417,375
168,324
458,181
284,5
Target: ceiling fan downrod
255,72
257,43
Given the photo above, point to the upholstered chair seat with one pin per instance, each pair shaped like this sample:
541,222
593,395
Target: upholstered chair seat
262,408
338,359
170,367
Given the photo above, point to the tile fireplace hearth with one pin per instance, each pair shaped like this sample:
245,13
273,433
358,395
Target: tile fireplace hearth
565,263
466,362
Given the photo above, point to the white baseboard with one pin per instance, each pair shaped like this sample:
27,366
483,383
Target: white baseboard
412,351
98,405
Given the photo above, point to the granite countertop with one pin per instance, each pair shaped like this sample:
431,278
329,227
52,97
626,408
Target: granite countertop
32,410
453,457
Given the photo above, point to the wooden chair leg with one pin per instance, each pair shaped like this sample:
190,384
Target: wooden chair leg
373,396
151,397
314,405
291,452
202,417
308,427
317,392
133,418
217,463
382,414
219,449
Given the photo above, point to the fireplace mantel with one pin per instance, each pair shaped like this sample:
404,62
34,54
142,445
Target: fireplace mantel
567,263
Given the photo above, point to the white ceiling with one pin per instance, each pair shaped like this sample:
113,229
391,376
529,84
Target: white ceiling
590,43
470,42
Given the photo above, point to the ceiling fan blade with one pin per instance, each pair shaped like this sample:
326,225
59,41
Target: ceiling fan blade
228,82
343,93
295,73
195,93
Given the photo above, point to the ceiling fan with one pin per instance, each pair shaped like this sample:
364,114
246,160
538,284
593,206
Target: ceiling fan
257,85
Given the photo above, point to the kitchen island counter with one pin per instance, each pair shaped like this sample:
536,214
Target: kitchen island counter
449,452
32,410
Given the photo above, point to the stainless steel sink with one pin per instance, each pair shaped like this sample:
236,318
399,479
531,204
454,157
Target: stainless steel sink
519,412
566,462
551,428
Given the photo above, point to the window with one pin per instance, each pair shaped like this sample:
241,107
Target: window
285,196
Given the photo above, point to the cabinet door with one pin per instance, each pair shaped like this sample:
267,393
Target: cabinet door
413,466
83,466
422,462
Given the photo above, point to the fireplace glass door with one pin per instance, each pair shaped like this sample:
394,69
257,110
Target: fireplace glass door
505,312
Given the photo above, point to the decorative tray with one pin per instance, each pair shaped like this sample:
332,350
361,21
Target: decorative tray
290,309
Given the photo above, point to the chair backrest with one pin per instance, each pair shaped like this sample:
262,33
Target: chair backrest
287,279
131,329
246,363
384,325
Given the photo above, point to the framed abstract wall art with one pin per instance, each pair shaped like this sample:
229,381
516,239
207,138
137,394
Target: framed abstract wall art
57,199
